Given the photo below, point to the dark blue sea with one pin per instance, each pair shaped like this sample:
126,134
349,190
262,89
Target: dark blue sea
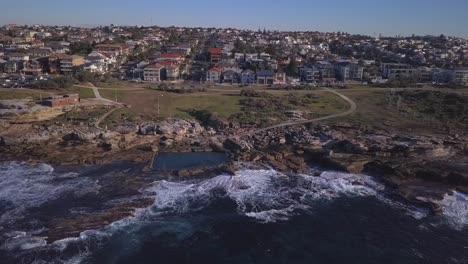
257,216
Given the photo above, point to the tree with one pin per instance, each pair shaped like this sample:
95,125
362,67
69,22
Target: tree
292,69
81,48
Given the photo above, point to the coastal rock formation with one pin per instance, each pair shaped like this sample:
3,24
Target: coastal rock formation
173,128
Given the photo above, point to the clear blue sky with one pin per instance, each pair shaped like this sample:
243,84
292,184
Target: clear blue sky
389,17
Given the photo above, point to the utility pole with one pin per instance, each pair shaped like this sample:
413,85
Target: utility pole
159,106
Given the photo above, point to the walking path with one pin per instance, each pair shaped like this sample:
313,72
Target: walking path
99,97
352,109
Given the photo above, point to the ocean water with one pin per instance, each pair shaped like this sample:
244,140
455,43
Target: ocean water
257,216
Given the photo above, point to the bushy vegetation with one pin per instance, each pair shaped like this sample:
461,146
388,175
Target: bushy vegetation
82,48
55,83
163,87
437,109
260,110
86,76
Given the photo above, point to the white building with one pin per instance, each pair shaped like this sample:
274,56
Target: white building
460,76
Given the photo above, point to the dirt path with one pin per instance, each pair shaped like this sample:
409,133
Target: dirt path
100,98
103,117
352,109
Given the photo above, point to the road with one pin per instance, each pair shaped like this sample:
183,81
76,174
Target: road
352,109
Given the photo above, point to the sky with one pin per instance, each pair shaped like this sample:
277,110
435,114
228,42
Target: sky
389,17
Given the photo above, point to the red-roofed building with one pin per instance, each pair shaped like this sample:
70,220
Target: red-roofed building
215,55
154,73
214,75
114,49
172,69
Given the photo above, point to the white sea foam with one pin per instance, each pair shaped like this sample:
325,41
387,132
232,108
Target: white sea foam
19,240
455,209
265,195
25,187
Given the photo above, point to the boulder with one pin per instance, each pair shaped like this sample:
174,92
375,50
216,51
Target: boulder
74,136
216,145
236,145
351,163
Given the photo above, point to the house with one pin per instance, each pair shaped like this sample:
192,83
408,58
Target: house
114,49
248,77
65,100
154,73
424,74
309,74
70,64
95,67
214,75
280,78
59,47
396,70
32,67
327,71
11,66
18,57
52,63
442,75
460,76
231,77
265,78
215,55
239,56
172,69
39,53
97,62
176,57
347,71
181,48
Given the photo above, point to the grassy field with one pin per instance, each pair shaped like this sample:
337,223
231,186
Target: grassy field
227,103
374,112
84,93
145,102
121,85
13,93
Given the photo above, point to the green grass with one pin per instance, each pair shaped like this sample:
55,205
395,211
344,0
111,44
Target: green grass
84,93
114,94
121,85
223,105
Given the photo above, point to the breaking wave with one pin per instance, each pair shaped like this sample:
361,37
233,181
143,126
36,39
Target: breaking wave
23,187
455,209
266,196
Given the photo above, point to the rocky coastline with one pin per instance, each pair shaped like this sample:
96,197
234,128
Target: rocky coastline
420,168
